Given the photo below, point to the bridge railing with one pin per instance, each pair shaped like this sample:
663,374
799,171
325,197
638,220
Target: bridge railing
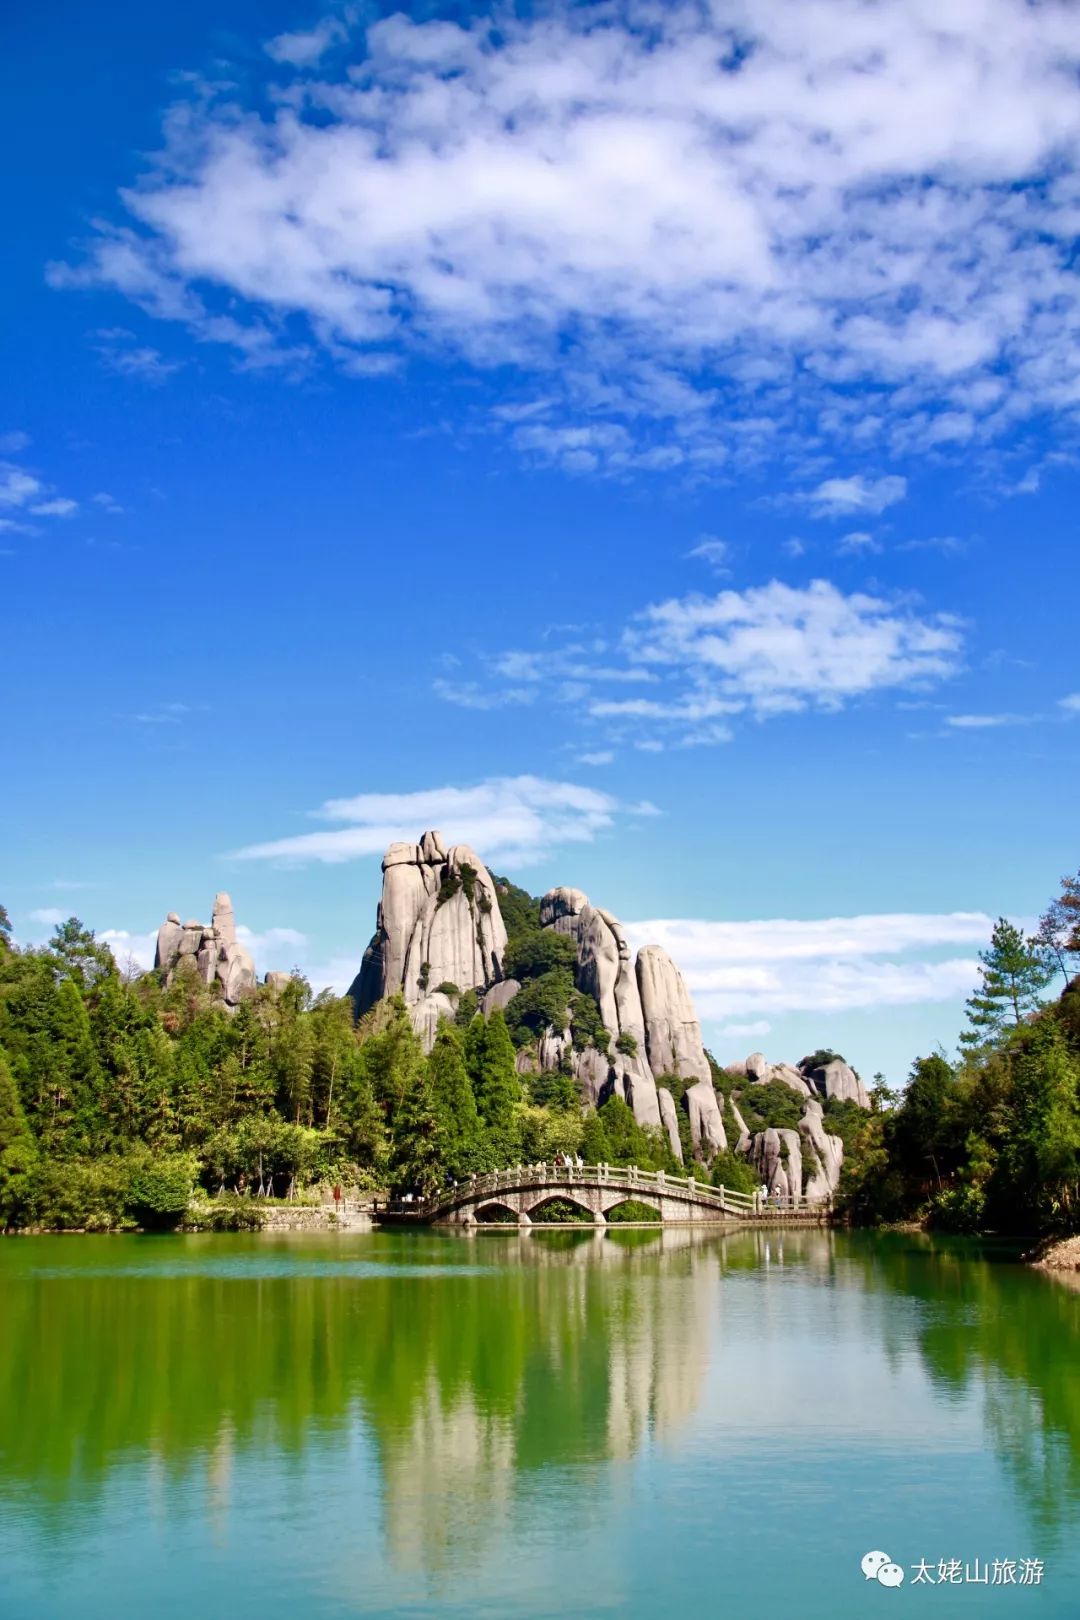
605,1175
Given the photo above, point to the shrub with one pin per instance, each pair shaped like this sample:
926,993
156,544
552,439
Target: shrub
632,1211
626,1044
160,1190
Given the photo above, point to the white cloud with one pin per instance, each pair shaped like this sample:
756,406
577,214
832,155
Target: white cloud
712,551
17,487
839,497
830,965
759,1026
1070,704
59,506
22,490
122,354
305,49
12,443
701,225
778,648
51,916
858,543
770,650
602,756
985,722
510,821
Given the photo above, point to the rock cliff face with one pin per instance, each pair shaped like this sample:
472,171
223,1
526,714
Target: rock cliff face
215,949
438,923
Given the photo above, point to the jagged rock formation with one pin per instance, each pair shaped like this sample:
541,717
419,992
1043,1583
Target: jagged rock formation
777,1157
440,932
438,923
217,953
783,1157
833,1079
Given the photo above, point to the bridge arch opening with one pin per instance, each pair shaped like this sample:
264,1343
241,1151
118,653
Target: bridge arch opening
562,1210
635,1211
495,1215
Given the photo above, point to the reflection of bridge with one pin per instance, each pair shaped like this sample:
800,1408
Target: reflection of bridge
597,1189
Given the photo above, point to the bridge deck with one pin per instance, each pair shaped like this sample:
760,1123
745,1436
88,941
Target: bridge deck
679,1197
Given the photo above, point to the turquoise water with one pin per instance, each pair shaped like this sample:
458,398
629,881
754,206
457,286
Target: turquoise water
628,1424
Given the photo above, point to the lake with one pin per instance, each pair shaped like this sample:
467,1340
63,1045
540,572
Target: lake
631,1424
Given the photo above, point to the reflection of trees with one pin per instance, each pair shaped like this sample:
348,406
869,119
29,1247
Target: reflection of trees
472,1365
475,1368
1013,1333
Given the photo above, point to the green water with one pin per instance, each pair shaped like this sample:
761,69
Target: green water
633,1425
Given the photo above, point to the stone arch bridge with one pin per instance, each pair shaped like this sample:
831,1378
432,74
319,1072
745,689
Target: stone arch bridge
524,1192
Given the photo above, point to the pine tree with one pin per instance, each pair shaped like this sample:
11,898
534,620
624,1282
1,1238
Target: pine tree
595,1146
1014,974
490,1055
454,1104
17,1151
1059,927
417,1159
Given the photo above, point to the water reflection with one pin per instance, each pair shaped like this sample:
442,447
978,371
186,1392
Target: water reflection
471,1375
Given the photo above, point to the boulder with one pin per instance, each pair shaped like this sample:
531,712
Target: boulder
561,908
277,981
236,971
424,1016
760,1072
777,1157
168,942
222,920
838,1079
672,1032
706,1121
500,995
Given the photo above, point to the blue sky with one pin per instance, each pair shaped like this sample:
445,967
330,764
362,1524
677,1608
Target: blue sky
644,449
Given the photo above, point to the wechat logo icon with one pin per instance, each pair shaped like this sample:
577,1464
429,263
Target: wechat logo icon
878,1566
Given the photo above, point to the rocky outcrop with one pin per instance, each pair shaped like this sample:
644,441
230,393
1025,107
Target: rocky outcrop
838,1079
823,1154
440,932
833,1079
706,1121
438,924
218,955
759,1071
672,1031
499,996
777,1157
424,1015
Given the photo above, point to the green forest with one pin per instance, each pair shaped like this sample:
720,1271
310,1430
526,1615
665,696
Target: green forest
126,1102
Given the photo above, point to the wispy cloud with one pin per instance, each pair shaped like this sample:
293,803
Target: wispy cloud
716,553
841,497
770,650
511,821
121,353
23,490
780,965
692,228
1070,704
987,722
304,49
